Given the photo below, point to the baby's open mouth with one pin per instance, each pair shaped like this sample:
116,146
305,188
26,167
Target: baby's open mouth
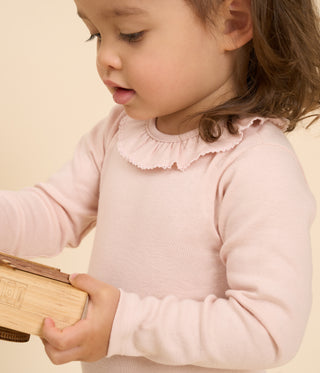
123,95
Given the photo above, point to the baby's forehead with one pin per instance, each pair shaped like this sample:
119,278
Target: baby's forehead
150,13
128,8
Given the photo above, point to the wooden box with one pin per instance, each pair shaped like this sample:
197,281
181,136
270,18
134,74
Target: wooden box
29,292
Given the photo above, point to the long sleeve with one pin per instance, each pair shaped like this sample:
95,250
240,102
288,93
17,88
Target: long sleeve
264,210
42,220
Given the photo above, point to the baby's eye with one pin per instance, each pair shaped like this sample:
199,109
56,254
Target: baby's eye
94,36
133,37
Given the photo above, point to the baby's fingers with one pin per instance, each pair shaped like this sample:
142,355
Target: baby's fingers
58,357
62,340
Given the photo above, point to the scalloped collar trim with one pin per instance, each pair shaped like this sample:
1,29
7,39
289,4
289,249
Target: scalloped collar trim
143,145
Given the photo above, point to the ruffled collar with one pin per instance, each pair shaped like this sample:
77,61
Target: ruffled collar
143,145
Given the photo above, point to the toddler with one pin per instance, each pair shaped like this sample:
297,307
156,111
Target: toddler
201,260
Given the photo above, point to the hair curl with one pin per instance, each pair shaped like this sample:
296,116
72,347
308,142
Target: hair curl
282,65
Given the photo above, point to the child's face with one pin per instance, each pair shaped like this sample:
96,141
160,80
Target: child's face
162,53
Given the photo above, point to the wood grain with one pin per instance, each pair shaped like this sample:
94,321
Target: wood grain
33,267
26,299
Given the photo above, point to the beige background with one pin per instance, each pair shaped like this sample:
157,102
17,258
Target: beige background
49,96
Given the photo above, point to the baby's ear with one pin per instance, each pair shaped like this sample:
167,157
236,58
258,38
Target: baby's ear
237,23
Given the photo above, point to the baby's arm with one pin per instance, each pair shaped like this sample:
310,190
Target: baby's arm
265,213
42,220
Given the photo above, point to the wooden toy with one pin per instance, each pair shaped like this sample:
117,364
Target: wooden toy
30,292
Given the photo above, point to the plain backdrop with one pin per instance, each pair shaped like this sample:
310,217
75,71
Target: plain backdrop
50,95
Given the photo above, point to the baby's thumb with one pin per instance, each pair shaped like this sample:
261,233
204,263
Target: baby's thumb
85,283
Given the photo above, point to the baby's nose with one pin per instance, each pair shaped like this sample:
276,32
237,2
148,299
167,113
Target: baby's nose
108,57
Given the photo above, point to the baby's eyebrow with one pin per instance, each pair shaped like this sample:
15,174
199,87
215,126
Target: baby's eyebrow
128,11
120,12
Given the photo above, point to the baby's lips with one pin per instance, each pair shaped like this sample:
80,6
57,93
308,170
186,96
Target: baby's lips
122,96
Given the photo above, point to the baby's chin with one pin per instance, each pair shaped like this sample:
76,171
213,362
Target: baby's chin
138,115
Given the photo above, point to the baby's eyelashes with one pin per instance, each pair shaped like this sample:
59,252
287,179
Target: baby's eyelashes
94,36
132,37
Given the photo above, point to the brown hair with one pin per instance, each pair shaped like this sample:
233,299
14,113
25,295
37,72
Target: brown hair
282,65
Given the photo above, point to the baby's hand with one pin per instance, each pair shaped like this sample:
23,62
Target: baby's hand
88,339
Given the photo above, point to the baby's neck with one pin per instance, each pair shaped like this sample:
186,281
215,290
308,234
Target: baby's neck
171,125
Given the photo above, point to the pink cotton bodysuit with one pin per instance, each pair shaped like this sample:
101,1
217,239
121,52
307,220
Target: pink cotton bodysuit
209,243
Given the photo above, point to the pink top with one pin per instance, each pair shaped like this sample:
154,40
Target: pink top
209,243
